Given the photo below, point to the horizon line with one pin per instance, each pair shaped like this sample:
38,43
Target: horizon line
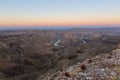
55,28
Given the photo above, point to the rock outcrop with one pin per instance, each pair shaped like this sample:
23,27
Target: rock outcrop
101,67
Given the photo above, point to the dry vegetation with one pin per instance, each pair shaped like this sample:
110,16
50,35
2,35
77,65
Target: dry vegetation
101,67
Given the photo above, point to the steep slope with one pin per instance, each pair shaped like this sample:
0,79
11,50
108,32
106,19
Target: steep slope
101,67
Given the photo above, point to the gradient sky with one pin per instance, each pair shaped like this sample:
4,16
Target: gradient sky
59,12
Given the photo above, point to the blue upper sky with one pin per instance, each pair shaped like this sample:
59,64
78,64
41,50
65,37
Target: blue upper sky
59,12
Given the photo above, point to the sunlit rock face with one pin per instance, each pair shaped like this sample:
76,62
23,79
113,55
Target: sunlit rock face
101,67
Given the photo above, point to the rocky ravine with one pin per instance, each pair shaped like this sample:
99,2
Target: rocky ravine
101,67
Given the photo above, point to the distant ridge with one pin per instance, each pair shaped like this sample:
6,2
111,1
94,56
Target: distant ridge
106,29
90,29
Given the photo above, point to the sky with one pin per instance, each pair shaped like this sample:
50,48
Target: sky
30,13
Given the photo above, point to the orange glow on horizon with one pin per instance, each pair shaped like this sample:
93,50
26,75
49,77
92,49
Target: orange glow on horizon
60,22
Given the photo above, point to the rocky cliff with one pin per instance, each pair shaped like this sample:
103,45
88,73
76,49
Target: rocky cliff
101,67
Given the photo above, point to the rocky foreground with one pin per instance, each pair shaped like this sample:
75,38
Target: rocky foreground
101,67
